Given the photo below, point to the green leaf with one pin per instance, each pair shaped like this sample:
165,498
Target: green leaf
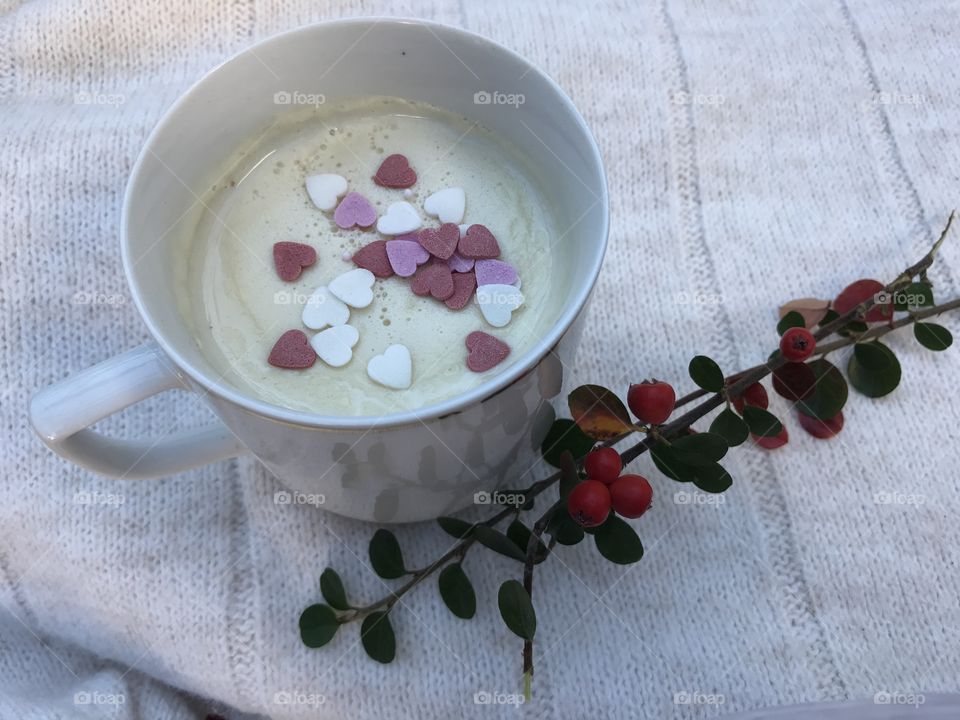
915,296
318,625
761,422
669,464
455,527
385,555
498,542
377,637
520,534
598,412
827,395
791,320
457,592
517,610
331,587
712,478
932,336
829,317
873,369
706,373
618,542
569,476
699,449
566,531
730,427
565,435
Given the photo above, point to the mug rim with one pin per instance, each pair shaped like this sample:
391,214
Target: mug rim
449,406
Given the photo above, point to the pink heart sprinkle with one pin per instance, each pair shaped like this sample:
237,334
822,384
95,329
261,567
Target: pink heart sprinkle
395,172
434,279
459,264
440,242
354,209
405,255
373,257
463,286
291,257
292,351
495,272
484,351
478,243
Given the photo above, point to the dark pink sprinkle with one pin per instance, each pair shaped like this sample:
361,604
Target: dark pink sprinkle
373,257
440,242
395,172
478,243
484,351
433,279
292,351
463,286
291,257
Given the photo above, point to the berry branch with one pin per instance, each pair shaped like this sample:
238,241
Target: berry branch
594,494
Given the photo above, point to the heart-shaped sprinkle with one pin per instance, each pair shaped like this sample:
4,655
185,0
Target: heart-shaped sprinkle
324,309
325,189
393,369
446,205
484,351
291,257
354,287
434,279
497,303
292,351
335,345
478,243
405,255
495,272
440,242
463,286
373,257
459,264
395,172
354,209
401,218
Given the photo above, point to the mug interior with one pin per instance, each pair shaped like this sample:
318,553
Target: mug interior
452,69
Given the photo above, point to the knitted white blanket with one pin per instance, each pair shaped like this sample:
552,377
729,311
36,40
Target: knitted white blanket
756,152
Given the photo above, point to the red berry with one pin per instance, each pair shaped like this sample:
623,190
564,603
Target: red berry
861,291
589,503
631,495
822,429
652,401
797,344
755,395
603,465
772,443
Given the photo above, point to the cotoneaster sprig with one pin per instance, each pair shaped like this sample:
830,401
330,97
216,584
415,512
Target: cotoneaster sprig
590,493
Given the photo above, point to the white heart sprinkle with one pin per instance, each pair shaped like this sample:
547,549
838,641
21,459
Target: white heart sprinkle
497,303
324,309
393,369
463,229
335,345
354,287
446,205
400,218
325,189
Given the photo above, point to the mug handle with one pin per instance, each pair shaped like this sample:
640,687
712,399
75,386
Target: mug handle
62,413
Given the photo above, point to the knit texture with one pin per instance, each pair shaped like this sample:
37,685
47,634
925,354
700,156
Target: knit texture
756,152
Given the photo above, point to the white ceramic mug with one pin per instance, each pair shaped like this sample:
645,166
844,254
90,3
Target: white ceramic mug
400,467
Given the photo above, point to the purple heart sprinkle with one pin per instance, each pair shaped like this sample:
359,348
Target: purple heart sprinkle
405,255
460,264
354,209
495,272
